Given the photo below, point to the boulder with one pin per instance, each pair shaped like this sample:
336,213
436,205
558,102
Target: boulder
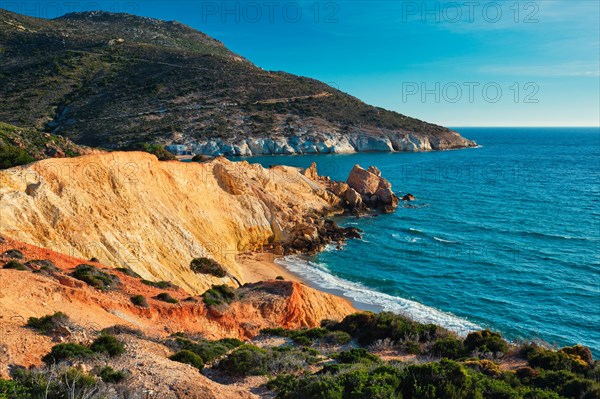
363,181
383,183
408,197
353,198
385,196
339,188
374,170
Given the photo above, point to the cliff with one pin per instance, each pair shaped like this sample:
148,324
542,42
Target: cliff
130,210
116,80
37,292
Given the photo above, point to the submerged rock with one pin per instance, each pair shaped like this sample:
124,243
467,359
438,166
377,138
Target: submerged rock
408,197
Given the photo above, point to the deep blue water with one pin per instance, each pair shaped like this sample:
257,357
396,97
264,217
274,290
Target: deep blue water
505,236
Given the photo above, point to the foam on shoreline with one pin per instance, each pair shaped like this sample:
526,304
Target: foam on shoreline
365,298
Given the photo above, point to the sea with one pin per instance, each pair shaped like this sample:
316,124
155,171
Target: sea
505,236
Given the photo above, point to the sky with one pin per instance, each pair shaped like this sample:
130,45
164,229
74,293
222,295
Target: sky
463,63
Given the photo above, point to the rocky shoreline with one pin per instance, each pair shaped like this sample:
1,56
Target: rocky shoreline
364,192
331,143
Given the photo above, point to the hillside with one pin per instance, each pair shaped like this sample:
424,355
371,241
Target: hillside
62,337
114,80
128,209
20,146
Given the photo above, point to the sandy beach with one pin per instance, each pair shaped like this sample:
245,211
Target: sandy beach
261,266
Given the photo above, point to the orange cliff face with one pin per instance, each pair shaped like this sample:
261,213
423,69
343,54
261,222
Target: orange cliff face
129,210
25,294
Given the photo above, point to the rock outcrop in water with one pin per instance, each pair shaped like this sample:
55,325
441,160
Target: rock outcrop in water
368,190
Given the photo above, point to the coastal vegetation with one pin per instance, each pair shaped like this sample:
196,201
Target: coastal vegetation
20,146
166,297
309,364
95,277
219,295
48,323
123,88
207,266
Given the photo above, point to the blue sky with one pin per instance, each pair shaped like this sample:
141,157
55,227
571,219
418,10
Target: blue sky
465,63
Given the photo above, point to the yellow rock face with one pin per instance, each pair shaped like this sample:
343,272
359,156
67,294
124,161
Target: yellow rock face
130,210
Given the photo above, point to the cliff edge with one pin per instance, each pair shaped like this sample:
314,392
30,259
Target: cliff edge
130,210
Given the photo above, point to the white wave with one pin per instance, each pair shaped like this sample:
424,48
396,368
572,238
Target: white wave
319,275
442,240
405,238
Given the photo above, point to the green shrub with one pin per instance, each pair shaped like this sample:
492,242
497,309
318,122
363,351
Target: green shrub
13,254
140,300
244,361
207,266
567,384
95,277
155,149
486,341
16,265
309,336
108,344
163,285
188,357
41,265
166,297
579,352
48,323
360,383
67,351
369,328
574,358
207,350
112,376
444,379
218,295
449,347
250,360
356,355
127,271
51,383
11,389
11,156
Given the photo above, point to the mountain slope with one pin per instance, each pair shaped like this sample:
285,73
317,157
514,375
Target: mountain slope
112,80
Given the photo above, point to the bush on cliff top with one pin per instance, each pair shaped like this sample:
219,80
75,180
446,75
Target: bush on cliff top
207,266
486,341
11,156
370,327
219,295
140,300
15,265
163,285
166,297
95,277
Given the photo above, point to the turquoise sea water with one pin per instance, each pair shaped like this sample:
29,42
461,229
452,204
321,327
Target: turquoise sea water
505,236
